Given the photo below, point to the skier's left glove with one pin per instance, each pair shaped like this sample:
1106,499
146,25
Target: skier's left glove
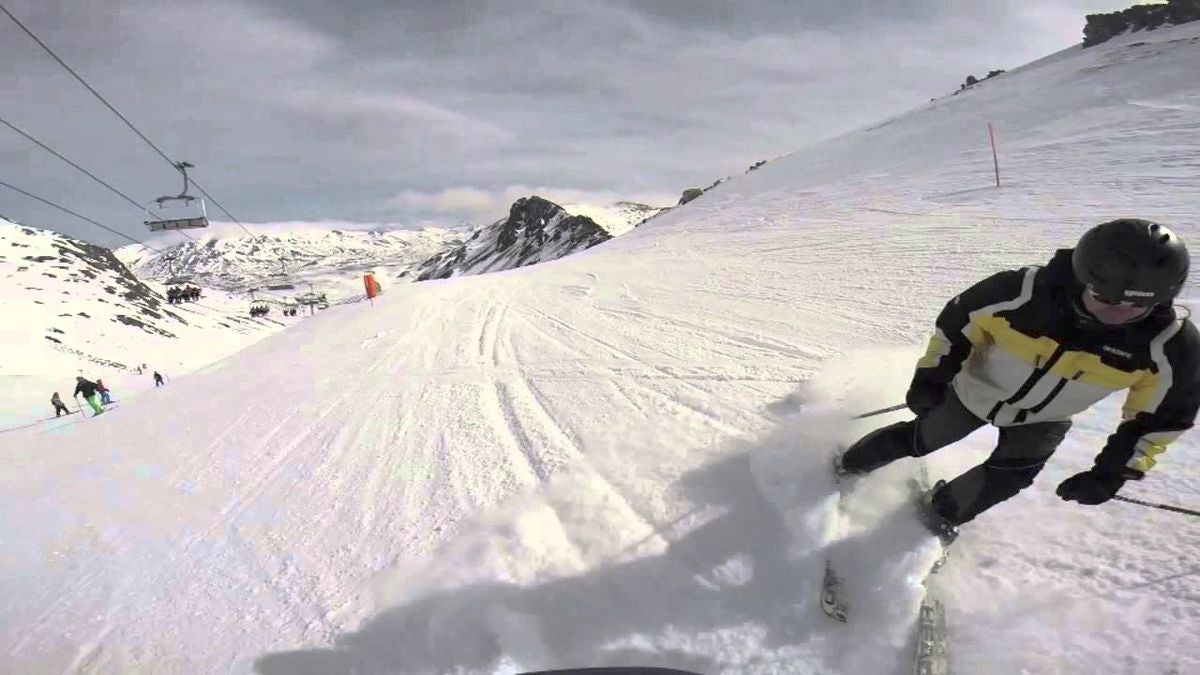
1090,487
924,396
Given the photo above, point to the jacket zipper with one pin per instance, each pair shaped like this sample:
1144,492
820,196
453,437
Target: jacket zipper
1030,382
1053,394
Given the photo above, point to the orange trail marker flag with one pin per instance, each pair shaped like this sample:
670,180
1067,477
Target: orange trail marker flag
371,285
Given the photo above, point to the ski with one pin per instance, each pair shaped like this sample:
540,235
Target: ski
831,602
930,656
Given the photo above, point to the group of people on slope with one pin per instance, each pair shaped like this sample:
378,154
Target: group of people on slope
184,294
95,393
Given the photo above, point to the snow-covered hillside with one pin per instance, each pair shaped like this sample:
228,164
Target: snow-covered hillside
71,307
332,260
621,457
616,218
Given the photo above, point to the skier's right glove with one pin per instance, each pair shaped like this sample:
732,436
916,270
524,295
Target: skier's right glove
924,396
1090,487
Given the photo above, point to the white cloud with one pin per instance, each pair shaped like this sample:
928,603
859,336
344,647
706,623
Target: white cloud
464,201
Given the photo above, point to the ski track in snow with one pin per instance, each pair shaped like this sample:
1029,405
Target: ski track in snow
620,457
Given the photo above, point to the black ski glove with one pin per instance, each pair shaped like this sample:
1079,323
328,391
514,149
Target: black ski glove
923,397
1090,487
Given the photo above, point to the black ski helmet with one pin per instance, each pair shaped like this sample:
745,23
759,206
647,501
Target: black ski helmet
1131,260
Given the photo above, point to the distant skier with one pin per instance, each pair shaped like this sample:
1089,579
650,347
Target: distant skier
59,408
88,389
105,394
1027,349
158,379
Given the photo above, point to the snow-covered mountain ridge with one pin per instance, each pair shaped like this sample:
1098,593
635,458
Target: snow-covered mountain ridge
332,260
616,218
535,230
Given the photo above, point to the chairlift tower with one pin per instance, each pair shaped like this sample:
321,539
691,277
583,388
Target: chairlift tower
280,281
175,278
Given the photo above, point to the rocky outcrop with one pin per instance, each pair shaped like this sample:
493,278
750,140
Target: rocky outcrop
1103,27
536,230
689,194
971,80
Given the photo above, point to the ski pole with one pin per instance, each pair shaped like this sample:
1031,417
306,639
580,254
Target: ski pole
1164,507
881,411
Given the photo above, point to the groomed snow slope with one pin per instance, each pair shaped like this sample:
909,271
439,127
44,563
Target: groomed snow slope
619,457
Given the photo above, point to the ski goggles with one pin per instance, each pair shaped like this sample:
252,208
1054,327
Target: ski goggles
1128,304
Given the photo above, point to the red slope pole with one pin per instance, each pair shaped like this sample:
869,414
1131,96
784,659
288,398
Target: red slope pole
995,161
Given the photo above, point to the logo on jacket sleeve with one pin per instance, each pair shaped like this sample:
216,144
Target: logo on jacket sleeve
1118,352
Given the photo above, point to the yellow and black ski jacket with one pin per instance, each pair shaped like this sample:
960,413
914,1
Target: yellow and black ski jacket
1018,348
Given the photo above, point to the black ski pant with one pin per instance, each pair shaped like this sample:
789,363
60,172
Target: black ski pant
1020,454
60,409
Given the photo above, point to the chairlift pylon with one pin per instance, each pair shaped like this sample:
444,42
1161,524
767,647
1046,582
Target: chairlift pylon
280,281
187,216
176,278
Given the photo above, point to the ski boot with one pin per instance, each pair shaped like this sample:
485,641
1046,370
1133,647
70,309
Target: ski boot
880,448
839,473
943,529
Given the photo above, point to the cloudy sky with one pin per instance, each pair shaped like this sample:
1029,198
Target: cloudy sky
414,112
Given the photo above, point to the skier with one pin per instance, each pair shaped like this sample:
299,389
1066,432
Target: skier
158,379
105,397
1026,349
59,408
88,389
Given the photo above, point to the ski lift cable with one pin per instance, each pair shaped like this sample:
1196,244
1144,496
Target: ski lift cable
116,112
85,84
66,210
89,174
218,205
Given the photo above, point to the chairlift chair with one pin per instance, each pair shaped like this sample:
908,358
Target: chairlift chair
189,215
